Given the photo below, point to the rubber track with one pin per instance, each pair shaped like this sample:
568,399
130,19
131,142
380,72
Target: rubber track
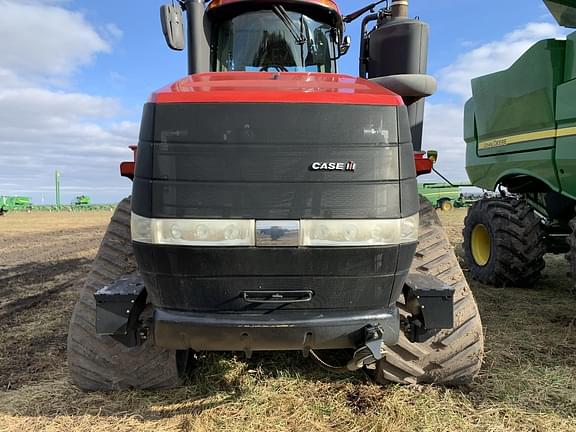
101,363
452,356
518,238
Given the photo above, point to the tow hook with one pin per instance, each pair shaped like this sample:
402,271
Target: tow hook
371,351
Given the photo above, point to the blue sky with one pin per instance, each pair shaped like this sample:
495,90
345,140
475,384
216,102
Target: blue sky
74,75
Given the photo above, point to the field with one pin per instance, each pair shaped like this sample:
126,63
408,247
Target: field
528,382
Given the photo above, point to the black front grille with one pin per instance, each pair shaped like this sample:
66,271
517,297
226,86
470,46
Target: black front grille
254,161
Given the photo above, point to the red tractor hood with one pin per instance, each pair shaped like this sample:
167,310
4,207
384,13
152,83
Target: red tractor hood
272,87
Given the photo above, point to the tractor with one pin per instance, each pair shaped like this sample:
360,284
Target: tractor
275,207
520,137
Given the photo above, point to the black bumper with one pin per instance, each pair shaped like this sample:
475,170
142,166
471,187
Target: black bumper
280,331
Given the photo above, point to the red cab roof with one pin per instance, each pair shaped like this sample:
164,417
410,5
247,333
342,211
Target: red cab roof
269,87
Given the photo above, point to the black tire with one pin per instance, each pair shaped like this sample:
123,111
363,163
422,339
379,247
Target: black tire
517,246
452,356
99,362
572,254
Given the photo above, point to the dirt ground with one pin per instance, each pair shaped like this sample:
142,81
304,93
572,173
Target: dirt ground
528,382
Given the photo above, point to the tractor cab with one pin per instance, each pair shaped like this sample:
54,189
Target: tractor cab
258,36
262,37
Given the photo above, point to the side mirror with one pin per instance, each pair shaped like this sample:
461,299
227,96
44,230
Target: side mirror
173,26
345,45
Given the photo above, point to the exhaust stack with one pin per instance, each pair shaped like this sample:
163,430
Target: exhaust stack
399,8
398,47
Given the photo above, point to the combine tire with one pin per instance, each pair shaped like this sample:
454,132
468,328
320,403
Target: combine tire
572,254
504,243
445,205
101,363
453,356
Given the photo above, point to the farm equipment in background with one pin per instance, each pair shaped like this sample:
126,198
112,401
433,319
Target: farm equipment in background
441,195
81,201
520,132
14,203
467,200
275,207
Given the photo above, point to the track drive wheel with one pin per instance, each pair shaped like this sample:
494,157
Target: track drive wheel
452,356
99,362
504,243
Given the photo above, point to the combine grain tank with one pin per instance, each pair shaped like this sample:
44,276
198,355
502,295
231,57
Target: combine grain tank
520,131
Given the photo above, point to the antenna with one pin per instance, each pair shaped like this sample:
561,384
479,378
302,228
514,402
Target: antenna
355,15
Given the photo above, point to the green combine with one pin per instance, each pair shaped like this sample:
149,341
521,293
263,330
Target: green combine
14,203
520,131
441,195
81,201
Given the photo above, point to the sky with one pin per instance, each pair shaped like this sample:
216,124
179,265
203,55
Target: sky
74,75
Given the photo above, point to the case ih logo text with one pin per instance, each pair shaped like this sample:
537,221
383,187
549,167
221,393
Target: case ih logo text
334,166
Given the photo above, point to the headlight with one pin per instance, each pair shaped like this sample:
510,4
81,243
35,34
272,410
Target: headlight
359,232
304,233
193,232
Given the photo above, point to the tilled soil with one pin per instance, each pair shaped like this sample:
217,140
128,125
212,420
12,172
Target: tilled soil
44,258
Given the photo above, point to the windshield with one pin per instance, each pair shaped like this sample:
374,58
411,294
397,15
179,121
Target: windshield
263,41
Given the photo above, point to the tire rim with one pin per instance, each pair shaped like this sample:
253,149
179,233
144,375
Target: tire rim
481,245
446,206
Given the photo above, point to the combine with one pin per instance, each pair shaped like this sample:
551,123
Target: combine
14,203
275,207
520,130
81,201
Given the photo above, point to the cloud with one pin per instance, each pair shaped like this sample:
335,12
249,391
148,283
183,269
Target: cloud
443,125
42,130
113,31
43,124
493,56
443,128
39,40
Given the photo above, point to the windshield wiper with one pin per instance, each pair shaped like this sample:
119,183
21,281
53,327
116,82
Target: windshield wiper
287,21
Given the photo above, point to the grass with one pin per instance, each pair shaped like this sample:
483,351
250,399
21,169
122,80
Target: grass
528,382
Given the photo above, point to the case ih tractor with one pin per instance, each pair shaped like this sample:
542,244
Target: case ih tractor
520,130
275,207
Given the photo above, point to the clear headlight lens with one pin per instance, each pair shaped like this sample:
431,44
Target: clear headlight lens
318,233
193,232
240,232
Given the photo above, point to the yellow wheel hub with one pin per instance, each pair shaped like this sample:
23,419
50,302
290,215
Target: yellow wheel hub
481,245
